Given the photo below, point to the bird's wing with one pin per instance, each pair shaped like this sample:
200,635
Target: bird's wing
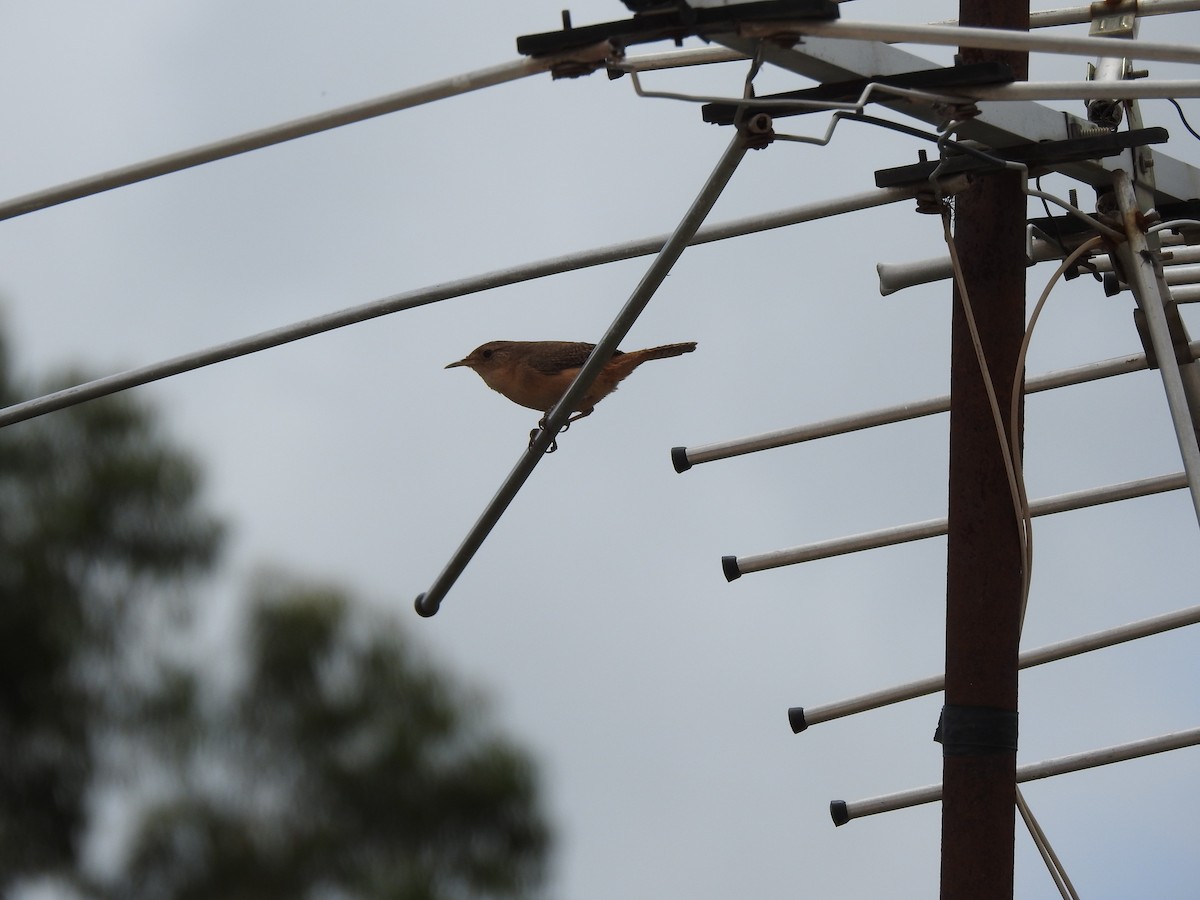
563,355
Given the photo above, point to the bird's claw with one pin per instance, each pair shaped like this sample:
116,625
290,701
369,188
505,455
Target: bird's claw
533,437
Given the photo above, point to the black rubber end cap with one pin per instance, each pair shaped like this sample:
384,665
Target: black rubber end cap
796,719
730,567
679,459
839,813
425,609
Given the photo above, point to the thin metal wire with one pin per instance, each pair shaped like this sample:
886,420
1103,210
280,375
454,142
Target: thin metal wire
756,102
1147,89
842,109
1182,117
886,123
841,116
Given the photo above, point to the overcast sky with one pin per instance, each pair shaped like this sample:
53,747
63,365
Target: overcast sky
653,693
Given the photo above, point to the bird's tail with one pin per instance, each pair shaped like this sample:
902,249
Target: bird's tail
665,351
622,364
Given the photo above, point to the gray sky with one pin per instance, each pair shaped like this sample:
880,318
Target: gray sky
653,692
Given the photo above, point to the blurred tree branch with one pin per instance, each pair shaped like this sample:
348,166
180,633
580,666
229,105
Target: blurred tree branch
340,763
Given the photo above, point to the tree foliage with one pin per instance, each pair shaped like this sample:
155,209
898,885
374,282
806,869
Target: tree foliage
399,791
329,759
96,510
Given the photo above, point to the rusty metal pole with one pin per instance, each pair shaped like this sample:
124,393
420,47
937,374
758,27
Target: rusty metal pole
984,558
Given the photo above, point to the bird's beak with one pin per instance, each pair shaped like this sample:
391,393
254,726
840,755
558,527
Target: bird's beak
461,362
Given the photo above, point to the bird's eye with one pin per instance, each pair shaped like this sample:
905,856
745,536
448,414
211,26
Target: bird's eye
487,354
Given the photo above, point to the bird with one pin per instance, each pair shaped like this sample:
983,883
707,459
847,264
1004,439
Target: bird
536,374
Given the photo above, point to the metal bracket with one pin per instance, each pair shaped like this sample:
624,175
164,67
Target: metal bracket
1047,154
674,22
1113,19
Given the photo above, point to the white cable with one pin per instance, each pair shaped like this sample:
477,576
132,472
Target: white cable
1015,470
1009,448
1011,466
1080,251
1073,210
1012,461
1174,224
1054,865
1057,871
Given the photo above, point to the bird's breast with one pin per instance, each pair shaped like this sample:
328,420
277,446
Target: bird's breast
528,387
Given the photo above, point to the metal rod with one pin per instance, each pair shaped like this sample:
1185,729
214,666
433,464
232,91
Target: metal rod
801,718
1148,89
686,457
670,59
736,566
1182,274
287,131
843,812
1178,279
982,38
1078,15
554,265
895,277
428,603
1152,297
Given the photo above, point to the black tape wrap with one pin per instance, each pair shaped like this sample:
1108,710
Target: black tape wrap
976,730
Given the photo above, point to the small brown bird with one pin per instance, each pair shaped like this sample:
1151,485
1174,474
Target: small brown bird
535,374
